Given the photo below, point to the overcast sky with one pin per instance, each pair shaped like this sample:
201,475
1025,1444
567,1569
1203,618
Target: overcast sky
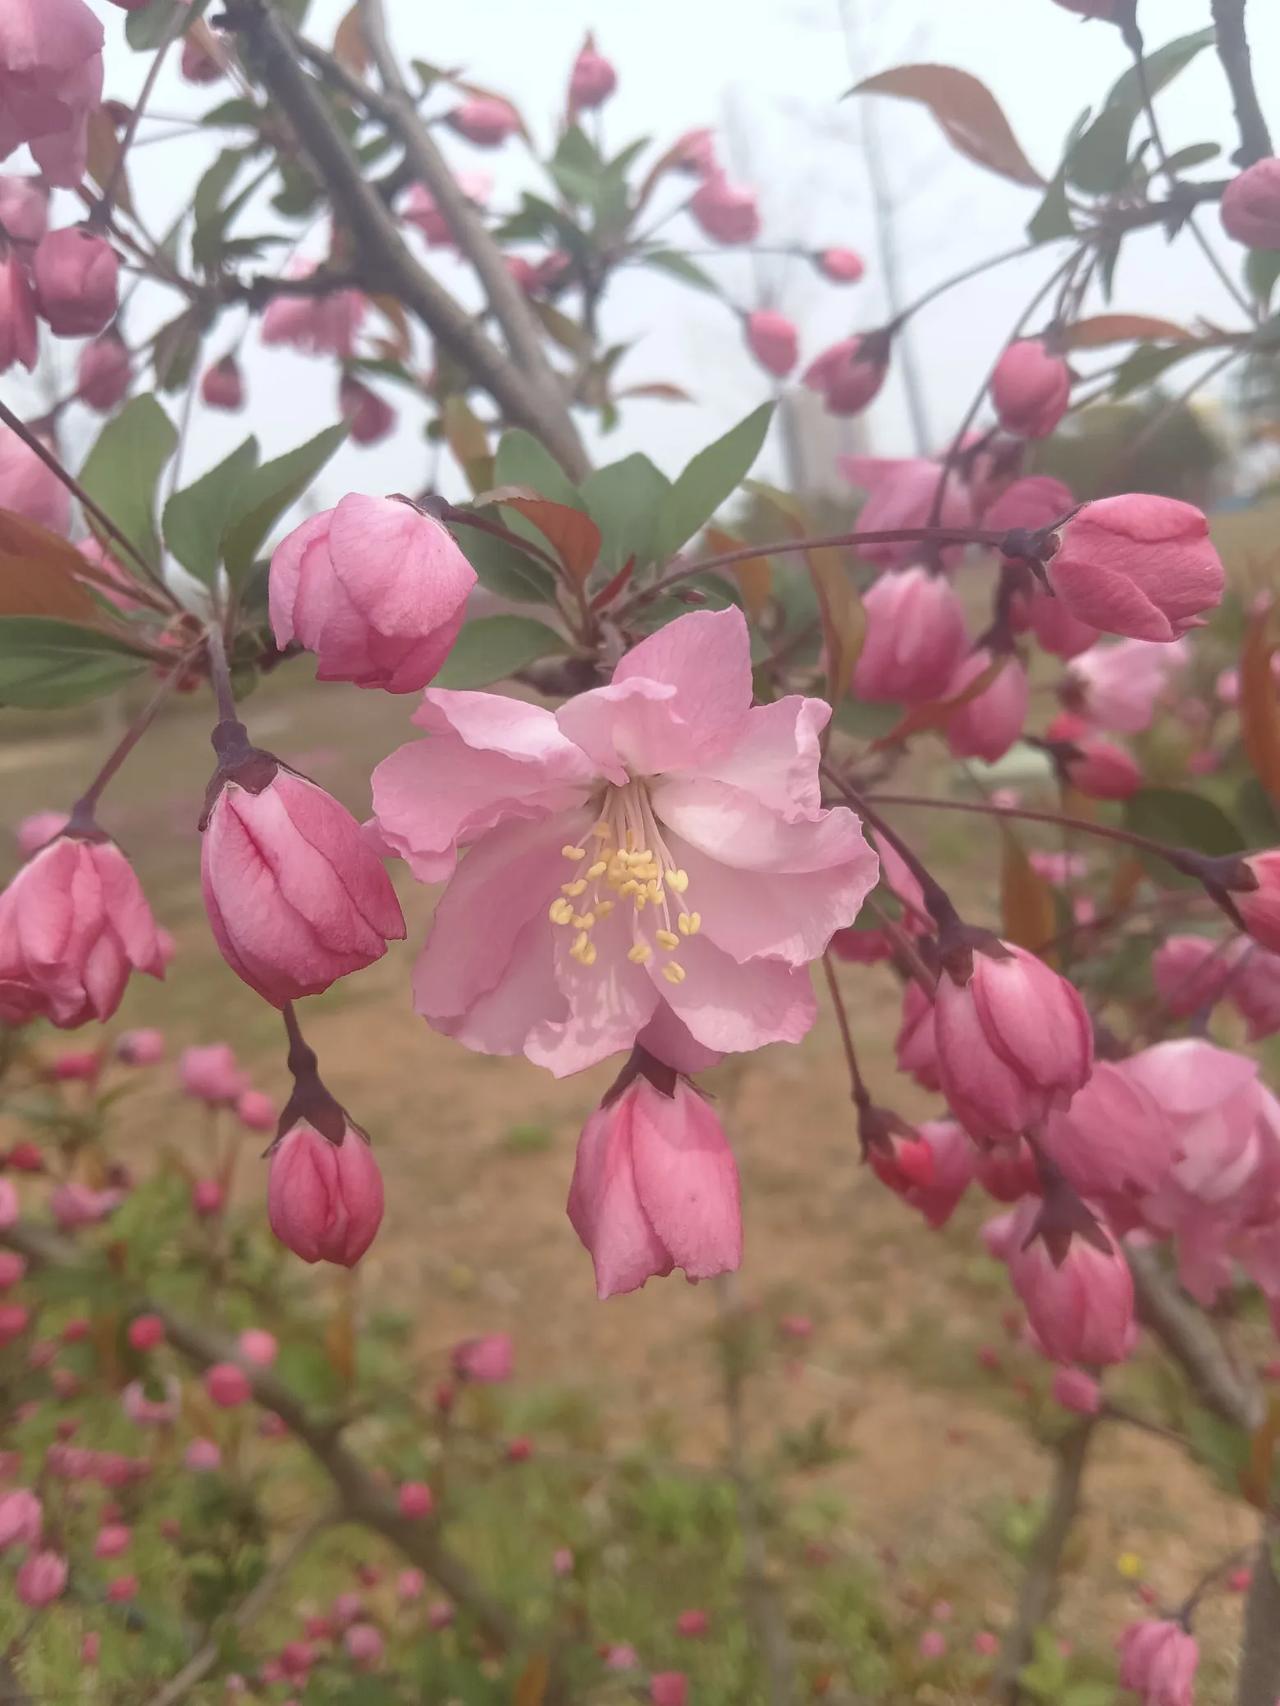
770,74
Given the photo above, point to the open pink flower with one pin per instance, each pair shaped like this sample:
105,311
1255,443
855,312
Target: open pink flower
50,79
653,854
901,493
316,325
1120,684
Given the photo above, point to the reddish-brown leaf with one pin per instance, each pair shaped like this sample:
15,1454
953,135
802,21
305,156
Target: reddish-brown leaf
1125,328
393,312
467,438
531,1684
1259,706
662,389
844,622
574,537
41,574
754,576
102,156
350,48
1026,900
968,113
1256,1477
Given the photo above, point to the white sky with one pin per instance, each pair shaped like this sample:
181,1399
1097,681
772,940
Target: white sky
774,71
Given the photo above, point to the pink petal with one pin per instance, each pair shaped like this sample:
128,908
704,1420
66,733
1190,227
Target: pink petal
736,1008
687,1181
775,757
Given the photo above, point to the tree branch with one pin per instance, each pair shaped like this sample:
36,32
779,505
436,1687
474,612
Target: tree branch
1259,1683
384,257
1233,51
1189,1337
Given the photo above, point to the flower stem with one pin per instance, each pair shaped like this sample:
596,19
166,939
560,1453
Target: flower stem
101,215
220,675
936,898
82,811
857,1084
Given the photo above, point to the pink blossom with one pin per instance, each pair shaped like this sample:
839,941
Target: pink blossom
1259,907
484,120
773,340
316,325
258,1346
21,1519
486,1360
420,207
73,924
324,1198
692,1624
848,376
1192,972
592,80
562,1561
1158,1660
90,1647
1014,1041
841,266
77,279
1121,683
222,386
295,895
9,1204
146,1332
38,830
901,494
668,1688
703,872
24,209
1077,1391
41,1578
370,417
375,588
202,1455
414,1499
256,1110
952,1160
73,1205
440,1615
1254,991
1250,206
50,80
28,487
1080,1309
987,725
655,1187
364,1645
146,1411
140,1048
1007,1171
621,1656
211,1074
104,373
19,339
1030,389
1055,628
12,1265
933,1644
410,1586
1137,565
208,1197
1030,503
916,1044
694,152
15,1318
113,1539
1097,768
916,636
1115,1140
726,212
76,1066
227,1385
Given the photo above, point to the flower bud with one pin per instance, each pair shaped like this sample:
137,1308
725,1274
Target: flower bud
41,1578
592,80
916,1044
104,373
773,340
210,1074
227,1385
77,278
1096,768
1251,205
113,1539
370,417
207,1198
258,1346
1077,1391
414,1499
316,325
256,1110
1080,1309
1030,389
50,80
655,1187
324,1198
140,1048
1158,1660
202,1456
485,1361
146,1332
375,588
915,638
841,266
987,725
484,121
1255,993
73,924
364,1645
295,895
1192,972
669,1688
848,375
903,494
1259,907
21,1519
726,212
1137,565
19,341
1114,1139
222,386
24,209
12,1267
1014,1041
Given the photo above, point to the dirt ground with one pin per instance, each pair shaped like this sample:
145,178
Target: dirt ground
477,1154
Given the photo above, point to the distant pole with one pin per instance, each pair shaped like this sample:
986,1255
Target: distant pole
886,233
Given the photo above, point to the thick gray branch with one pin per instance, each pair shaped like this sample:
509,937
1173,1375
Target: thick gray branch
1233,51
1259,1683
1191,1340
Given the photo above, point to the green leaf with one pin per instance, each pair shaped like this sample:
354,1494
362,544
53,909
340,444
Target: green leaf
123,469
234,113
866,720
147,28
681,267
625,501
1148,363
710,478
45,664
1099,162
495,647
1195,154
1261,270
576,166
523,461
1052,219
175,349
268,493
1179,819
504,569
194,517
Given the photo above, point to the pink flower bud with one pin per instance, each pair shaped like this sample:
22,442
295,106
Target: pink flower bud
726,212
1114,1139
12,1266
947,1175
692,1624
147,1411
520,1449
207,1198
256,1110
1192,972
987,725
1030,389
841,266
410,1586
1259,908
377,590
1014,1041
90,1648
227,1385
211,1074
76,1066
1077,1391
146,1332
370,417
915,637
296,1659
364,1645
9,1205
1081,1309
73,1205
73,924
296,897
562,1561
773,340
1255,993
916,1044
324,1199
484,121
933,1644
19,339
1137,565
222,386
414,1499
485,1361
122,1589
1099,769
420,207
592,80
203,1456
848,376
694,153
41,1578
669,1688
50,79
140,1048
1251,205
655,1187
77,277
440,1615
1158,1660
24,209
29,488
38,830
112,1540
21,1519
104,373
258,1346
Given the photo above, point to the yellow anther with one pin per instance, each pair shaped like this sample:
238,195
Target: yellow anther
574,852
654,890
583,920
586,955
668,938
640,953
642,900
673,971
602,832
580,941
689,923
574,888
603,908
596,870
631,886
678,880
560,912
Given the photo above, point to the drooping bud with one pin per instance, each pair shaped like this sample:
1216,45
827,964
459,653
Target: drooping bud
223,385
1137,565
726,212
1030,389
592,80
1081,1308
370,417
484,121
849,375
104,373
773,340
915,638
1250,206
77,278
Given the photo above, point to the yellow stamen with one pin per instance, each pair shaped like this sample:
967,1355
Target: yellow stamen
689,923
640,953
560,912
668,938
673,971
597,870
575,888
678,880
583,920
574,852
603,908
